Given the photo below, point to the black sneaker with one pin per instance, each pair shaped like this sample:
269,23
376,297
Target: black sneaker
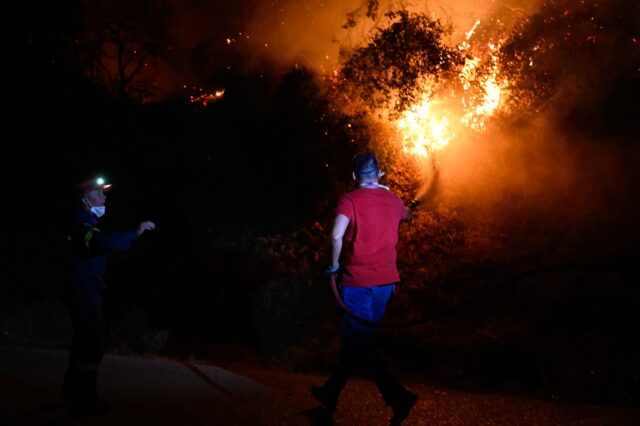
87,408
67,394
402,407
329,402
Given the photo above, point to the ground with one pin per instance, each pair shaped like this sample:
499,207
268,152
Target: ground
161,391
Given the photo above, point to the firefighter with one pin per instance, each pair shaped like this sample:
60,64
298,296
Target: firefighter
88,246
363,240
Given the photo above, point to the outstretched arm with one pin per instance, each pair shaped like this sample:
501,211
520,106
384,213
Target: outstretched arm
93,238
110,240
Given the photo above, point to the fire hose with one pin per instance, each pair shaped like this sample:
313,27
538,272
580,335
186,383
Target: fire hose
517,277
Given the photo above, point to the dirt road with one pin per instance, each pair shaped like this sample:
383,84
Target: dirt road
169,392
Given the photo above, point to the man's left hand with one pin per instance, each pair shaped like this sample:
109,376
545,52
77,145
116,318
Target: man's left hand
145,226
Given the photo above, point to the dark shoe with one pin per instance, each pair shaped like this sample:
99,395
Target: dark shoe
69,385
87,408
67,393
329,402
402,407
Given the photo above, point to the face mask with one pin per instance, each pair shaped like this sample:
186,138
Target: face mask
98,211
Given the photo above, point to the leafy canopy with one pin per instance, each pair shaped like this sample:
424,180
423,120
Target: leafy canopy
386,72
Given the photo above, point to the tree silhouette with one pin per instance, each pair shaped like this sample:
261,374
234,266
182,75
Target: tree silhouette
573,56
121,42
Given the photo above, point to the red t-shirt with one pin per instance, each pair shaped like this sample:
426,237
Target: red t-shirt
369,243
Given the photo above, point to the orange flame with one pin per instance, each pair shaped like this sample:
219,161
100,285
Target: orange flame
425,127
205,98
432,123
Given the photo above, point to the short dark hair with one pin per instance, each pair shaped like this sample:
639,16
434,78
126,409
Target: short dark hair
365,166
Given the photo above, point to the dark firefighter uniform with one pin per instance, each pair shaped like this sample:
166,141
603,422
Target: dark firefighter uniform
88,245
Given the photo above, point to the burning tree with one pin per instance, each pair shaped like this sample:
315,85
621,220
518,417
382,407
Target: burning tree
386,71
426,91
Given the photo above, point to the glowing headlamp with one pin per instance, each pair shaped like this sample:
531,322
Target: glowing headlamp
100,183
88,185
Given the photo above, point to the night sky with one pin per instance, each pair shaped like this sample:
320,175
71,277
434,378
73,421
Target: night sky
535,218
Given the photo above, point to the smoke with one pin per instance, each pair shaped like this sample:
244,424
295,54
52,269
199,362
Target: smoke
250,33
555,172
558,160
313,33
558,171
541,187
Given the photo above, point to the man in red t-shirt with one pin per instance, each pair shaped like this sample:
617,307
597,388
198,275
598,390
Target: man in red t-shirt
364,238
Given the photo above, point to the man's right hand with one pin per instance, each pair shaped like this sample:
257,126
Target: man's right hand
145,226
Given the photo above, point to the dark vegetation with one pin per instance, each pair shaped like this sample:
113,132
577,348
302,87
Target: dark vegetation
581,60
242,192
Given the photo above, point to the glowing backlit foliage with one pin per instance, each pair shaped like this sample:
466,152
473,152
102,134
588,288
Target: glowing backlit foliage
426,90
474,96
480,97
432,122
409,52
565,57
482,89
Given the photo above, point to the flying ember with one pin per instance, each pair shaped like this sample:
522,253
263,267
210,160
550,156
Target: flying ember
208,97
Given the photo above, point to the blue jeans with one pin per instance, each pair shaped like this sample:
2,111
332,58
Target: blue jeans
367,303
359,347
